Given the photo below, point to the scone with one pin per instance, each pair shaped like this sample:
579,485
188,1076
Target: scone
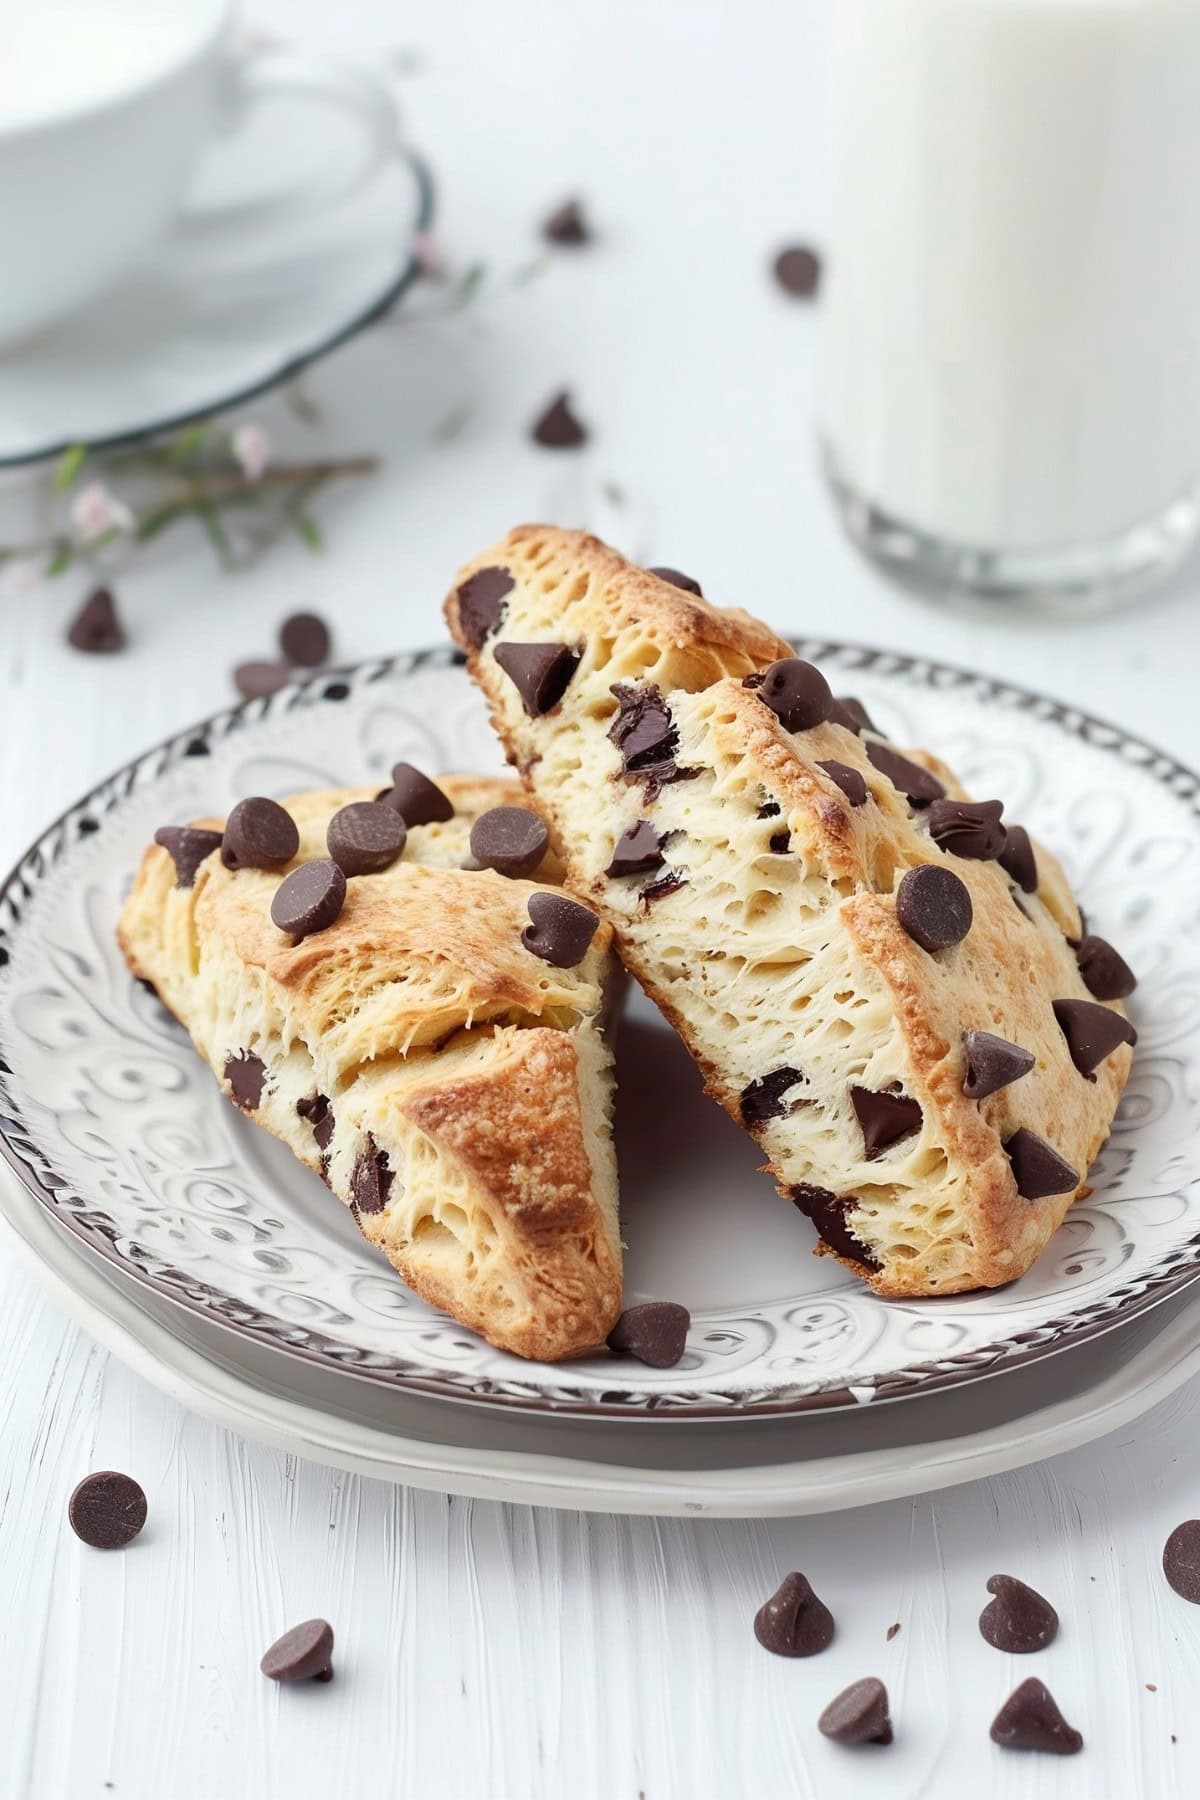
888,987
424,1032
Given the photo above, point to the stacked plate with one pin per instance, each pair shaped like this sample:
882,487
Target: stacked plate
196,1248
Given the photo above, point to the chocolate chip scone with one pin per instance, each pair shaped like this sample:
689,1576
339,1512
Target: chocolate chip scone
885,984
399,992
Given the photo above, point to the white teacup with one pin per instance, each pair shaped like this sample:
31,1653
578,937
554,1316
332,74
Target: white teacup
105,109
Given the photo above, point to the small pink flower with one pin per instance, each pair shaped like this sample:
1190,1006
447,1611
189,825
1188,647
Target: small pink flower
20,573
427,254
96,511
252,448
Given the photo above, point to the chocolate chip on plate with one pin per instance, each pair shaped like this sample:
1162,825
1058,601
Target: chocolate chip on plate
187,846
1105,972
917,785
1181,1560
304,639
309,899
558,428
1037,1167
305,1653
859,1714
853,715
559,930
1030,1720
678,579
107,1510
259,834
793,1622
510,839
636,851
418,800
992,1063
655,1333
96,628
643,730
245,1074
797,693
481,604
1018,860
1092,1032
567,225
371,1182
851,781
763,1099
365,837
255,680
934,907
886,1119
968,828
827,1213
1018,1619
540,673
798,271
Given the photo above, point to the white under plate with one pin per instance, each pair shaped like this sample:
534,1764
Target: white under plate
121,1133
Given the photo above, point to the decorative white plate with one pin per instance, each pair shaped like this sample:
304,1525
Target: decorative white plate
688,1469
115,1125
206,323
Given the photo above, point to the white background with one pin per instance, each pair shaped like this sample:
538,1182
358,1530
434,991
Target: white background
485,1651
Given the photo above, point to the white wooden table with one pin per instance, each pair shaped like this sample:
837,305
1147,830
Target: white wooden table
488,1651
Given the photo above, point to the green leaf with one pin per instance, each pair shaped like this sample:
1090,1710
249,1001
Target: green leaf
190,441
69,465
60,562
527,272
469,284
209,517
308,529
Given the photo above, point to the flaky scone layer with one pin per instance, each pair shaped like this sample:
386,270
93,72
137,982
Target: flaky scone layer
769,933
477,1071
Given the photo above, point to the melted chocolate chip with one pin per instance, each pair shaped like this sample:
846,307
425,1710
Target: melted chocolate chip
851,781
481,604
1018,860
853,715
780,842
1018,1620
310,899
1037,1167
1092,1032
510,839
365,837
567,225
1030,1720
305,1653
559,930
992,1063
541,673
656,1333
917,785
636,851
187,846
828,1214
317,1110
1105,972
1181,1560
643,730
968,828
418,800
305,641
245,1074
793,1622
658,890
259,834
797,693
107,1510
859,1714
886,1119
798,271
96,628
678,579
934,907
558,428
371,1182
763,1099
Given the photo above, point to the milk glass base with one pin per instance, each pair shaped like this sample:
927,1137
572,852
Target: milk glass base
1078,581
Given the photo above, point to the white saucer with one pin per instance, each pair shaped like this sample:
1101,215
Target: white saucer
208,322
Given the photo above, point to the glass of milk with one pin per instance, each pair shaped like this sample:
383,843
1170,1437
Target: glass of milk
1012,302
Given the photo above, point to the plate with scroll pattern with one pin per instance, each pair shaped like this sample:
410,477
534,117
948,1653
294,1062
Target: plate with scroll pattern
117,1128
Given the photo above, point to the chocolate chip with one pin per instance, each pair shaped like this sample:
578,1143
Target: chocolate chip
798,271
309,899
418,800
510,839
656,1333
558,428
365,837
793,1622
259,834
567,225
255,680
797,693
371,1182
1181,1560
886,1119
968,828
187,846
892,1631
992,1063
1105,972
853,715
305,1653
636,851
245,1074
859,1715
828,1214
539,672
1017,859
851,781
96,628
559,930
304,639
1092,1032
316,1109
780,842
763,1099
1037,1167
1018,1620
481,605
917,785
678,579
658,890
643,730
107,1510
934,907
1030,1720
